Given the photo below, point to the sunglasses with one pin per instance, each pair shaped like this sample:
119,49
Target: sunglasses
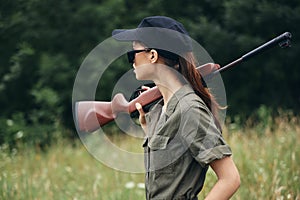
131,54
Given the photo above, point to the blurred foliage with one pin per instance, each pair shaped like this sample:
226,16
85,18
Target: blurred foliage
43,44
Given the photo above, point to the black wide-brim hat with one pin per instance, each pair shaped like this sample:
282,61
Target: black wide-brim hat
158,32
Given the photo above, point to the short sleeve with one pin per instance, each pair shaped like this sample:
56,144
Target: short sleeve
201,135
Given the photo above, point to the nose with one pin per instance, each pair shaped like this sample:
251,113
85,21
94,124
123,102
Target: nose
133,65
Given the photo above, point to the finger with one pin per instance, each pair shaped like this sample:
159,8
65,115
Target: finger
145,87
142,113
140,108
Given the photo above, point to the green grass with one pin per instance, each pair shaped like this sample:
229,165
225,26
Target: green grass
268,162
269,165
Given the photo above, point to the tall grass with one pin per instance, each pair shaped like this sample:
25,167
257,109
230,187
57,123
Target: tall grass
268,159
268,162
63,172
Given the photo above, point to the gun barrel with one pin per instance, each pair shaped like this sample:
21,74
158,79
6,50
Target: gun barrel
283,37
282,40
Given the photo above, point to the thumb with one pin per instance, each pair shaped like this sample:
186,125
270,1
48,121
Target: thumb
142,113
140,108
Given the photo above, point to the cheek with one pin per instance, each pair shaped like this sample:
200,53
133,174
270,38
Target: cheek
138,61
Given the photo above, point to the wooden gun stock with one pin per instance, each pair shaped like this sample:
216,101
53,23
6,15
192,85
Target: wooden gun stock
91,115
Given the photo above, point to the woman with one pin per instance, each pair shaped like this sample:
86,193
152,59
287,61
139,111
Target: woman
183,134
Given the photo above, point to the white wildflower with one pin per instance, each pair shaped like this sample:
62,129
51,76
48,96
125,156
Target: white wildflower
129,185
141,185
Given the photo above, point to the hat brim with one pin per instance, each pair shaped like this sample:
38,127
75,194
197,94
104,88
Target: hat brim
125,34
155,37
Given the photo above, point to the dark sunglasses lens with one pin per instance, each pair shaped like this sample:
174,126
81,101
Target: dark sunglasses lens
130,56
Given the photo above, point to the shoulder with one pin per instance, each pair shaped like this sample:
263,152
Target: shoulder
192,103
195,113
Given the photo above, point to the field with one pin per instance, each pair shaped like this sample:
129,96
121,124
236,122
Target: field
268,158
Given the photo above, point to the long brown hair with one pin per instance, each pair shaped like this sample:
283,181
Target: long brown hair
187,67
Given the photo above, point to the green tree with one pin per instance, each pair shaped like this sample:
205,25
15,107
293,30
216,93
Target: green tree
43,44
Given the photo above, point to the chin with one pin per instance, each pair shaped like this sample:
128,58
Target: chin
138,76
141,78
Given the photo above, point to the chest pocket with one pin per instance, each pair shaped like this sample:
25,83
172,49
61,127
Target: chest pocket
160,156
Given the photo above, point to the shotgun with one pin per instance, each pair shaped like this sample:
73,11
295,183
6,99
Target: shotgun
91,115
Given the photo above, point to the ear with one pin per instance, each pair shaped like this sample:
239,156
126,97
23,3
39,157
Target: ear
153,56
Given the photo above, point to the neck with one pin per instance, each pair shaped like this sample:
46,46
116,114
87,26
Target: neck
168,84
167,79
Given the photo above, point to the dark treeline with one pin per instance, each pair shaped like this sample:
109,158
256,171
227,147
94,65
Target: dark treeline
43,44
